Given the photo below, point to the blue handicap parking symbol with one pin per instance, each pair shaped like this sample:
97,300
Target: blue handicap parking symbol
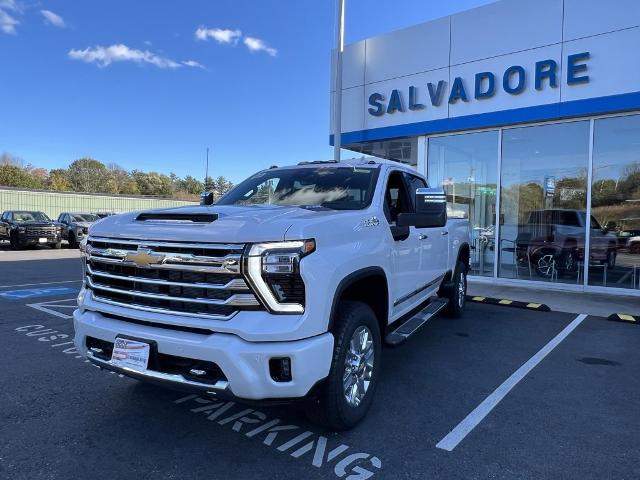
37,292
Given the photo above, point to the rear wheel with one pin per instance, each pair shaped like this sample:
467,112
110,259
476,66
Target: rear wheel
457,294
349,389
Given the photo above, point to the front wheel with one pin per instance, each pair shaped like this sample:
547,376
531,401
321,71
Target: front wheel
57,245
73,243
611,258
546,265
349,389
13,241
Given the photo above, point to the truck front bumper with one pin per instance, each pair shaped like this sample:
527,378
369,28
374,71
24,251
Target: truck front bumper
245,365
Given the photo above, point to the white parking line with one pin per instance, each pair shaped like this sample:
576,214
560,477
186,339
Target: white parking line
46,307
453,438
43,283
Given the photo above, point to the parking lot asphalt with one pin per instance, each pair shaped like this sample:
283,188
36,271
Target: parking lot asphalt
575,414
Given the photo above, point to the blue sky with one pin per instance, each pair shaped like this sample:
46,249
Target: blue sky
149,84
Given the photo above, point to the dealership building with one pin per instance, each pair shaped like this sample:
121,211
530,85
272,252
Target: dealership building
527,113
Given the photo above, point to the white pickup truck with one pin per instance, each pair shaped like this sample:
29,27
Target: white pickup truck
285,289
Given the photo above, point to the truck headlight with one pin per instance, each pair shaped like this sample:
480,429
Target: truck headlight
273,270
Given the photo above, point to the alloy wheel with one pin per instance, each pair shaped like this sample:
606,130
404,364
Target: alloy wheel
358,366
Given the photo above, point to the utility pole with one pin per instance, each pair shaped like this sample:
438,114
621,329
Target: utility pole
206,175
337,104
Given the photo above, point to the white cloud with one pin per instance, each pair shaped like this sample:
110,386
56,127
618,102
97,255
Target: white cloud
53,18
104,56
220,35
258,45
10,5
7,23
194,64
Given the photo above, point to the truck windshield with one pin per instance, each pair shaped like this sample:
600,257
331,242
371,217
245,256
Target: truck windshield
84,217
338,188
555,217
30,217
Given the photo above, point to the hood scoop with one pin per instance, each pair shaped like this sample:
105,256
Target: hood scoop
177,217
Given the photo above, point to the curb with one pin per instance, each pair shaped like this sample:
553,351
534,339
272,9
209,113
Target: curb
541,307
624,317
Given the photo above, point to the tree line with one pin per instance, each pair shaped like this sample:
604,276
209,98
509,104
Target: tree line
88,175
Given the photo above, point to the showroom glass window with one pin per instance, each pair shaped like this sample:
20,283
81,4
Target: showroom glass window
543,202
465,166
615,203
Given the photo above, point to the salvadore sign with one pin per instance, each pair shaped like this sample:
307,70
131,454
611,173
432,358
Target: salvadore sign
514,81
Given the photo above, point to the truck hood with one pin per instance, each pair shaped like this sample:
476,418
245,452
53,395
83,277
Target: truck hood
35,223
83,224
234,224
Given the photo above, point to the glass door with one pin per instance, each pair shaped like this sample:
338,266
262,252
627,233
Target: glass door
543,202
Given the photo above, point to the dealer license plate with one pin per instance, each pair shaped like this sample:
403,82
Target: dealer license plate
130,354
42,240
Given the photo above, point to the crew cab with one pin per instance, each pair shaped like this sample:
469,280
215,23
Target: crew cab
24,229
75,226
284,290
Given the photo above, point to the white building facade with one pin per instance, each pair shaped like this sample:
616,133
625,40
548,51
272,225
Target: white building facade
528,115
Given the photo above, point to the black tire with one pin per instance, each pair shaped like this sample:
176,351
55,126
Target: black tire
57,245
13,241
457,293
611,258
331,409
635,248
73,243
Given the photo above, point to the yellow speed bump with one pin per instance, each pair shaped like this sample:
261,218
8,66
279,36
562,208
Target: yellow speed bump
509,303
624,317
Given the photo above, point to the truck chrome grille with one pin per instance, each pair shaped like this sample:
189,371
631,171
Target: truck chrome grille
188,279
40,231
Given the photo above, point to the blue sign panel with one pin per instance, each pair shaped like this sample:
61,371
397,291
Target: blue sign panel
37,292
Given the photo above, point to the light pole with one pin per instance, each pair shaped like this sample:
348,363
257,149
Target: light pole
337,104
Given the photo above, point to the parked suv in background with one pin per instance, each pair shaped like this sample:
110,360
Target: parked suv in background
285,289
555,239
23,229
75,226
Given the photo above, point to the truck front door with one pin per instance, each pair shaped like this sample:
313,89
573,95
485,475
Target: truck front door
434,242
408,279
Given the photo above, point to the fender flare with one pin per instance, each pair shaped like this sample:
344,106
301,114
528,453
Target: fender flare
349,280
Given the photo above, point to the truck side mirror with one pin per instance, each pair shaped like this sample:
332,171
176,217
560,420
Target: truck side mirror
431,210
206,198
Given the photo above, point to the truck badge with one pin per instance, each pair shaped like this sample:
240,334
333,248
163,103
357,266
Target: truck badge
145,257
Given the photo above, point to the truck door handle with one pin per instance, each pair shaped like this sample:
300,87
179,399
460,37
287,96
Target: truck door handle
445,233
422,236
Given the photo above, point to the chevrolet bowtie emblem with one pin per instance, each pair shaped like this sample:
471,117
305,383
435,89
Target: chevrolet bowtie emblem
145,257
